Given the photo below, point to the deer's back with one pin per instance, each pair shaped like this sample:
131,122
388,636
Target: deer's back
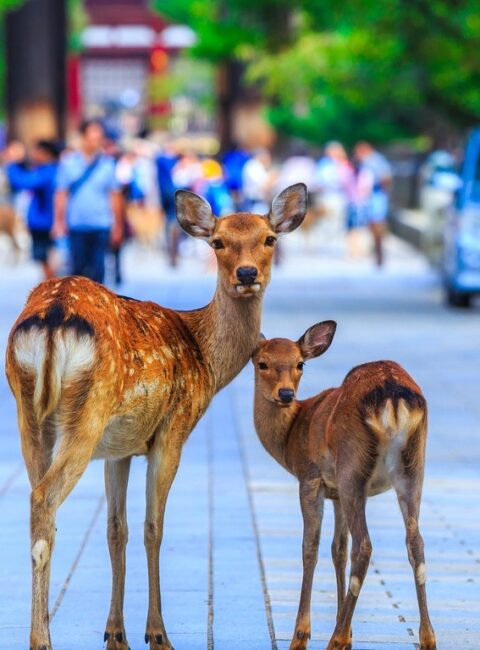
366,422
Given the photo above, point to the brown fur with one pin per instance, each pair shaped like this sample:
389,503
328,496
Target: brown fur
345,443
116,377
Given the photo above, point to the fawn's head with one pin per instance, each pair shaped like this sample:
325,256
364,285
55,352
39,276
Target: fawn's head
279,362
243,242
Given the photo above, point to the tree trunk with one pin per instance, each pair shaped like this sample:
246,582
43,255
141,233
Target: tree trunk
35,49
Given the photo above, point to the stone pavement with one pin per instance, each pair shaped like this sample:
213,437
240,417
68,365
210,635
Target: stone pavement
231,556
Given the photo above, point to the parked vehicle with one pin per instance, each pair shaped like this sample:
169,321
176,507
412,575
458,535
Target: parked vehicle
461,261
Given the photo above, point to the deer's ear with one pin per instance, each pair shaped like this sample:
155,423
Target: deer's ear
289,208
317,339
194,214
261,339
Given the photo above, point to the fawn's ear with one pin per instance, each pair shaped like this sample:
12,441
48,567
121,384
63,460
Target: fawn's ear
194,214
317,339
261,339
288,208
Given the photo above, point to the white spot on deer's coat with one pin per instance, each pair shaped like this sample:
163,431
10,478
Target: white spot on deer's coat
421,574
131,371
40,553
355,585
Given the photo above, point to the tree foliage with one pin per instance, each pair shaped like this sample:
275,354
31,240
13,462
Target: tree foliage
381,70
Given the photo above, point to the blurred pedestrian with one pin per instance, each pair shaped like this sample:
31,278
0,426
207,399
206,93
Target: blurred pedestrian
215,189
88,203
39,179
258,180
165,164
233,163
332,183
374,164
8,214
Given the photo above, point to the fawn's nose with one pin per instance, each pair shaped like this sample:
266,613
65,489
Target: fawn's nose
247,274
286,395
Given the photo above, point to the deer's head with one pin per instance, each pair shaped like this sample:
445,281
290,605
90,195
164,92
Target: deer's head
279,362
243,242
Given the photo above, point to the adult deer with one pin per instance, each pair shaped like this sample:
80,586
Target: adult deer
96,375
347,444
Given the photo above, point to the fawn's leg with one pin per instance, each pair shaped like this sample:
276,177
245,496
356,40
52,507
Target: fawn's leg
75,450
408,487
352,501
163,461
339,553
311,501
116,483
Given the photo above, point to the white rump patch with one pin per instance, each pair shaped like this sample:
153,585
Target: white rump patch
73,353
40,553
30,348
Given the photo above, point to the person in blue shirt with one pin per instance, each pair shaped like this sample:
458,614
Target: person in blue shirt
165,163
39,179
88,203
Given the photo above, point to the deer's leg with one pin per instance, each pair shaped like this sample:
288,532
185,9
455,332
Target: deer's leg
408,487
69,463
352,501
339,553
116,482
163,461
311,501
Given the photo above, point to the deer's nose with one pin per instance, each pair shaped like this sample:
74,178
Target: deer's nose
247,274
286,395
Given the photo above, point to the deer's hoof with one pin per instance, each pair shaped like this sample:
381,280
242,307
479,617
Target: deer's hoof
340,644
158,641
115,639
300,640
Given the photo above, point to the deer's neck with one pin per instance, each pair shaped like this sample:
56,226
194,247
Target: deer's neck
273,425
227,330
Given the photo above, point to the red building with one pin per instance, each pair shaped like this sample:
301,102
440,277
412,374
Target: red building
126,47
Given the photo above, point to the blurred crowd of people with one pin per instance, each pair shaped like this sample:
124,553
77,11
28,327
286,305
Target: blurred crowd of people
90,197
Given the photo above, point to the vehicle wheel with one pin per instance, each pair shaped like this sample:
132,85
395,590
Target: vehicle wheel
458,298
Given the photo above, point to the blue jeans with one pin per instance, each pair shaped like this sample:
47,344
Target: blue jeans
88,249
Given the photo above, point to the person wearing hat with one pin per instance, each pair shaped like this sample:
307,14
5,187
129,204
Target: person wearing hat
38,178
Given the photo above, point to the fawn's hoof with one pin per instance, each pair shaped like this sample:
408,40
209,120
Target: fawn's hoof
40,645
115,639
300,640
158,641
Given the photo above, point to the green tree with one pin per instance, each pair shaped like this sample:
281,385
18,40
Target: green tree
379,70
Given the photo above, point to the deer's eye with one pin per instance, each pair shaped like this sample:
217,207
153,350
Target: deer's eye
300,365
262,365
217,244
270,241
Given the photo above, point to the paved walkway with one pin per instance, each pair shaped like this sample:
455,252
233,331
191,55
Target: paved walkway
231,556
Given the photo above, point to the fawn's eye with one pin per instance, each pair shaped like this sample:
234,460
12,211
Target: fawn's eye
300,365
270,241
217,244
262,365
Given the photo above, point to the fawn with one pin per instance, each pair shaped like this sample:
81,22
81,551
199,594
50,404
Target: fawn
346,444
96,375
